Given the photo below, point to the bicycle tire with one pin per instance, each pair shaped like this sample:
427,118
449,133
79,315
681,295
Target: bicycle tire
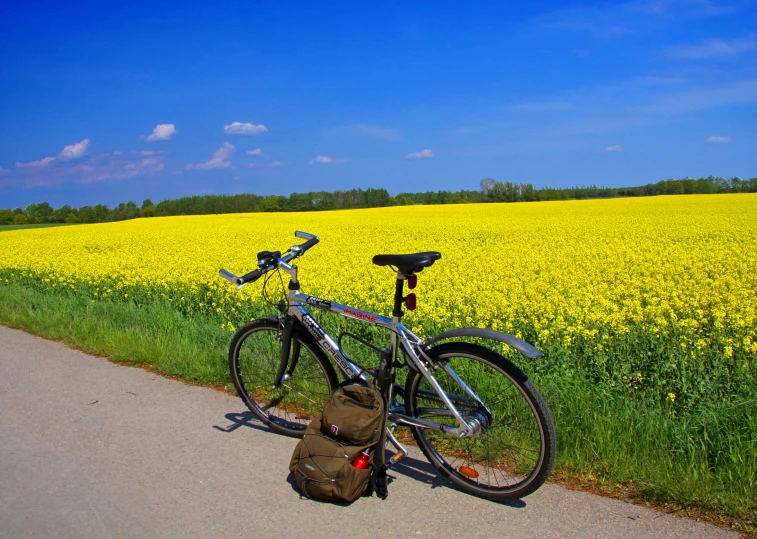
254,357
515,453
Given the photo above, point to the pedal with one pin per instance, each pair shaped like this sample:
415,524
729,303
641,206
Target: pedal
401,451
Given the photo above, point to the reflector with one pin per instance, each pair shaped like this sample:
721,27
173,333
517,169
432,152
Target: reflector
410,302
468,472
412,281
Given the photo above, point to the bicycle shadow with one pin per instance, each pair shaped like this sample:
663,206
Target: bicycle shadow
244,419
410,467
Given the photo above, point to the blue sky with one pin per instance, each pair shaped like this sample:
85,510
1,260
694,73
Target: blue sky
109,102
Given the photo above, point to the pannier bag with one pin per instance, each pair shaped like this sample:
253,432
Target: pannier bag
324,461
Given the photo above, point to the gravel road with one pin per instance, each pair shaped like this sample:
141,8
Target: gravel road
93,449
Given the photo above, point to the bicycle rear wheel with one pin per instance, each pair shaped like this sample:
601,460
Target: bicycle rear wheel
515,451
254,358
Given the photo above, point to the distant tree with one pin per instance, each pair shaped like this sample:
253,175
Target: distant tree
528,193
60,214
6,217
41,212
19,219
377,198
705,186
486,184
273,203
736,184
675,187
102,213
147,209
323,200
124,211
86,214
72,218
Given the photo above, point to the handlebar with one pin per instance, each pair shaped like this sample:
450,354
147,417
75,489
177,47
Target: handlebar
294,252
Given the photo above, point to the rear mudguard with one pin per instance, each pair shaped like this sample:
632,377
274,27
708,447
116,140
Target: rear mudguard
528,350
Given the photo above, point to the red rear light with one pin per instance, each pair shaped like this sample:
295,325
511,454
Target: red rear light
361,462
412,281
410,302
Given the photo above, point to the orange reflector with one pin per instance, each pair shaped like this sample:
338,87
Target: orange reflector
468,472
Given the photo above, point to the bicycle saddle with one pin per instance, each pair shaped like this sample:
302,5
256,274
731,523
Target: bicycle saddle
408,264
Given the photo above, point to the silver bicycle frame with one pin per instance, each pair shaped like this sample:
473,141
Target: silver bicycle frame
399,335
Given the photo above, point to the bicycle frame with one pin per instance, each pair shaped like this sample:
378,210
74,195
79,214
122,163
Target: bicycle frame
400,335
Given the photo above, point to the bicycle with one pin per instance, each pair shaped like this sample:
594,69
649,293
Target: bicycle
500,445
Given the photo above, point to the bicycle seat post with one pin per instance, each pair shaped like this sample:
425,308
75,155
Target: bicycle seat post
398,298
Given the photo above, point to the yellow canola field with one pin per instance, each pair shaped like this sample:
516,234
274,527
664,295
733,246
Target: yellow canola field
558,273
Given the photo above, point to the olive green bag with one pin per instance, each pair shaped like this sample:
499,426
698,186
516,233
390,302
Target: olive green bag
349,425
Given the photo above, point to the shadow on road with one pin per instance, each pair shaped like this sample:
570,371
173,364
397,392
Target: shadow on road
418,470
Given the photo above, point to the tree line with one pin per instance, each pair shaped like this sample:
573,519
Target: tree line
490,191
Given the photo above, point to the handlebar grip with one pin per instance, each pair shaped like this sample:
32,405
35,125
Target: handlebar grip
250,277
308,244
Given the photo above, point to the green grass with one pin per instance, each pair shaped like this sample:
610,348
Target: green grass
704,459
5,228
190,348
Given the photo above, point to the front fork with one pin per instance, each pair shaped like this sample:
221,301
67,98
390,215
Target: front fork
283,374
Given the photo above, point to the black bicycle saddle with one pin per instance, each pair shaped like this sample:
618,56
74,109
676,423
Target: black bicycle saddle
410,263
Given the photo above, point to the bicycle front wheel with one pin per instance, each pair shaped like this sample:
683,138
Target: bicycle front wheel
514,451
254,358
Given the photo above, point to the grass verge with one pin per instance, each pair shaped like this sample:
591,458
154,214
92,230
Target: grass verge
193,349
5,228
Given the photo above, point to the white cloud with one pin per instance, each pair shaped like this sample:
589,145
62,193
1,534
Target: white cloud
3,171
614,148
75,150
276,164
161,132
251,165
718,139
714,48
238,128
325,160
108,166
36,164
421,154
256,151
220,159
